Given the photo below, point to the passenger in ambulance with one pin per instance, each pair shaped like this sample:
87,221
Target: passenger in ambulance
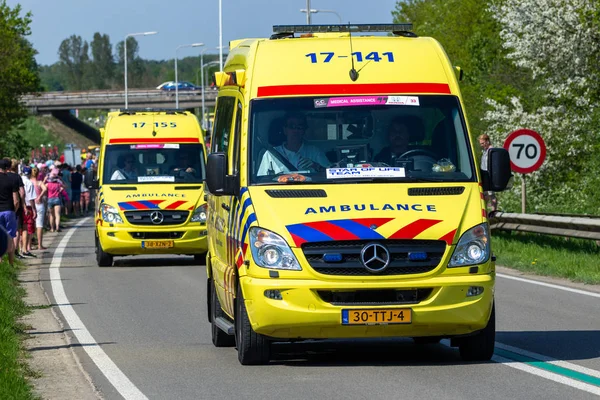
126,168
401,132
294,152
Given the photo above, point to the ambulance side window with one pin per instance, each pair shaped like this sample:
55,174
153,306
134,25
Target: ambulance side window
235,156
223,121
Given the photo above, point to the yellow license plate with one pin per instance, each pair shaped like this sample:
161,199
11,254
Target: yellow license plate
157,244
377,317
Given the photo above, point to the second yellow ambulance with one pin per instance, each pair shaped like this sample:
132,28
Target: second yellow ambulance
150,185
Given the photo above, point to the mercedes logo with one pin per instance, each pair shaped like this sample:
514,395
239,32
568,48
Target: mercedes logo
375,257
157,217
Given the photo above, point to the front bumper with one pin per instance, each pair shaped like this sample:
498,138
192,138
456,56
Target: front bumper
302,314
118,240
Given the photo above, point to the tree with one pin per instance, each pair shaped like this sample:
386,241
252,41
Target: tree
18,72
557,42
102,66
135,65
73,54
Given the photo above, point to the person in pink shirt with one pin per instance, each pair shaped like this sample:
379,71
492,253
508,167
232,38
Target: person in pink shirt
55,187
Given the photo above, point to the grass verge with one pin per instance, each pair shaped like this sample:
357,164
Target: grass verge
13,368
574,259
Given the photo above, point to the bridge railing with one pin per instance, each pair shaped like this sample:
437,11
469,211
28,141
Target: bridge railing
44,96
574,226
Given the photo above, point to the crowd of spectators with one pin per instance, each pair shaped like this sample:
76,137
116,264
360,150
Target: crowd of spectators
34,197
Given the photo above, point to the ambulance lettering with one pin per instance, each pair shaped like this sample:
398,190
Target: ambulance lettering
371,207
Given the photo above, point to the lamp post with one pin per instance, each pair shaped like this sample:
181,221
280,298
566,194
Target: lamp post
220,36
315,11
125,57
202,73
176,79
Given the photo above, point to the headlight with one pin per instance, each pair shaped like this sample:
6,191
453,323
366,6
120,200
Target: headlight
110,214
199,214
472,248
269,250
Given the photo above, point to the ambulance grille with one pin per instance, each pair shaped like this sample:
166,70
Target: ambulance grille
276,193
436,191
374,297
170,217
350,264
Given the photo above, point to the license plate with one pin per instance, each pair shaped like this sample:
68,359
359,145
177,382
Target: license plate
157,244
377,317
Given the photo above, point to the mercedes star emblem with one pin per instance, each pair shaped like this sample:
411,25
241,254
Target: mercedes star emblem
375,257
157,217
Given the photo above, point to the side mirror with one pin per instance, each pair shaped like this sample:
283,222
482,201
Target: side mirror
94,184
498,174
217,180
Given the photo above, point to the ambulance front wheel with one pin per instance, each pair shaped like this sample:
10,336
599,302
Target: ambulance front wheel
102,258
480,347
253,348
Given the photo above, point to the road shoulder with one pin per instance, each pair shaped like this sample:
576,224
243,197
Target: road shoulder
59,374
548,279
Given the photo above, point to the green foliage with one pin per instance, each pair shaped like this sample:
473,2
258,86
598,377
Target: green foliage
73,55
574,259
13,384
17,71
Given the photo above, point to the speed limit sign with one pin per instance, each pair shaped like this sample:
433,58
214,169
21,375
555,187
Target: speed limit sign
526,149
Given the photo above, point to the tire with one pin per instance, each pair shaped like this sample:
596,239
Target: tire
423,340
200,259
480,347
102,258
219,338
253,348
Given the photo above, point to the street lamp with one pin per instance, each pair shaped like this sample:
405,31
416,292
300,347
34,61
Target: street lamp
202,82
220,36
202,73
314,11
125,56
176,79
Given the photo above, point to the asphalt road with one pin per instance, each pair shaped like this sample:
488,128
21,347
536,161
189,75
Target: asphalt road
143,333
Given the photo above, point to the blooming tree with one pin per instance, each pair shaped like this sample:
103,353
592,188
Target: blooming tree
558,41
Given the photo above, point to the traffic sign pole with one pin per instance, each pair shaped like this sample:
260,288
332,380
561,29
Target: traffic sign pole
523,196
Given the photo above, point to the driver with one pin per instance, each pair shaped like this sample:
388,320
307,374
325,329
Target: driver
294,150
183,167
398,137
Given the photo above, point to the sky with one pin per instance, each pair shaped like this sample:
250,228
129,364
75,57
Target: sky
181,22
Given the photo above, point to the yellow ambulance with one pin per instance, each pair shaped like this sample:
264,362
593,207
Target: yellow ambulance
345,200
150,186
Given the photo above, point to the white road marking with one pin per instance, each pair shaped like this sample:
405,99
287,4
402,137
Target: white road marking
548,375
542,372
110,370
550,360
550,285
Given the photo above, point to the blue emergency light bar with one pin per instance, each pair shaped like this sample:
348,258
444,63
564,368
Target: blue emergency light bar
406,27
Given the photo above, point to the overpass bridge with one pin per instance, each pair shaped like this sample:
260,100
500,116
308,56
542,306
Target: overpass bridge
51,102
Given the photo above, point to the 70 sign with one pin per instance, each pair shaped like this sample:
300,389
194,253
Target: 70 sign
526,149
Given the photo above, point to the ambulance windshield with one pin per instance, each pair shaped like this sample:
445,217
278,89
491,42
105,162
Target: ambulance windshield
154,163
359,139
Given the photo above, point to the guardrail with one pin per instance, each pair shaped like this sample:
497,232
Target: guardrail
575,226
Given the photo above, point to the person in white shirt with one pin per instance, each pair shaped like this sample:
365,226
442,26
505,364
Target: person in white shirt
302,156
29,213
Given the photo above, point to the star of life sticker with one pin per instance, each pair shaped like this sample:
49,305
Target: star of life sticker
366,101
370,172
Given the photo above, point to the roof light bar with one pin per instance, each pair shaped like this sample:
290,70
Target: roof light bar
342,28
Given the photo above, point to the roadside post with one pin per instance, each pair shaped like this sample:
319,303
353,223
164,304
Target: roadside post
527,152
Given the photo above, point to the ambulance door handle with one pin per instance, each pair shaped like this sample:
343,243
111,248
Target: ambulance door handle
225,207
